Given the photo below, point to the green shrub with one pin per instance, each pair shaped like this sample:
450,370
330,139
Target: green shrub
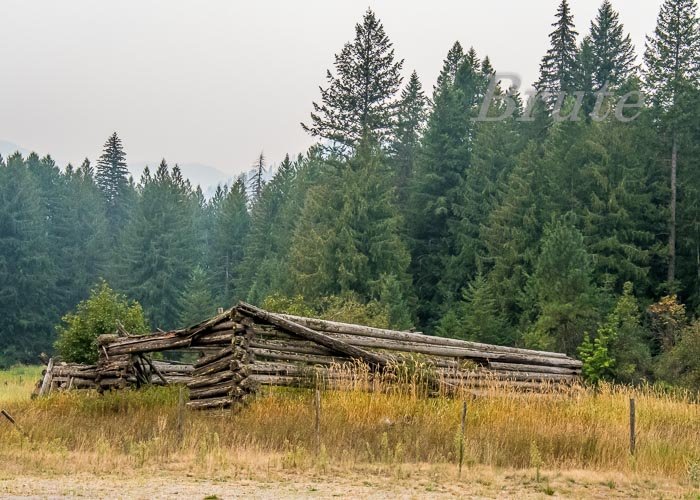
681,364
98,315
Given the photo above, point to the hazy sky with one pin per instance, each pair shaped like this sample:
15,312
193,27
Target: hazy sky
216,82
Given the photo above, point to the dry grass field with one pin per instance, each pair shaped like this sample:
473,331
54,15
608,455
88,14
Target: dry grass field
386,443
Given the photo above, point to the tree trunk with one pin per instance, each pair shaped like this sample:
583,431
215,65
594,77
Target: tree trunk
672,228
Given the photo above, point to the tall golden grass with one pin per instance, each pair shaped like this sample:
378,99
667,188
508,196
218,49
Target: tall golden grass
390,424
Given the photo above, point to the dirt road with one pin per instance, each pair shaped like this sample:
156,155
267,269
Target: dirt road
419,483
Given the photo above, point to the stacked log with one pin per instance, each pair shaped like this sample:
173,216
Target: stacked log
451,361
115,372
59,376
246,346
222,379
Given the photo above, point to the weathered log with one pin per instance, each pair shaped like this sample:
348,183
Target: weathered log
167,367
205,360
195,330
222,338
216,366
291,356
204,404
228,388
147,343
516,367
367,331
419,348
295,346
227,325
506,376
46,383
207,380
372,359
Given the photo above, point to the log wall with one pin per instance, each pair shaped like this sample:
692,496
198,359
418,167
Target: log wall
245,347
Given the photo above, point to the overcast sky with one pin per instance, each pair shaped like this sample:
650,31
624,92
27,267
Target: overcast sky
217,82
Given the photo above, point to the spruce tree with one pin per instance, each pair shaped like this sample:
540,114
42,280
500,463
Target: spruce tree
613,57
347,240
409,129
359,101
564,296
512,231
437,192
266,263
559,67
257,182
196,302
112,179
477,316
160,247
672,60
27,275
231,227
81,229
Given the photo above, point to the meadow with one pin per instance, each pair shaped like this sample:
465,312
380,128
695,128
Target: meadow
393,431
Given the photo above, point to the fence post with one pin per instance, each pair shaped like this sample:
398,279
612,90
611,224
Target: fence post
317,419
633,438
461,436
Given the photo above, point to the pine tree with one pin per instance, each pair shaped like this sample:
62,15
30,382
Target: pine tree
436,191
409,129
27,276
257,182
160,247
112,179
477,316
672,59
347,240
613,57
512,231
563,292
559,67
359,101
196,302
231,227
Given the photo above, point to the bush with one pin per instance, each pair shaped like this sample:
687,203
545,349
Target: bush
681,364
98,315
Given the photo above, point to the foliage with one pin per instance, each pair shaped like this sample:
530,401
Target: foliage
410,212
668,317
561,287
681,364
99,314
358,103
598,363
197,302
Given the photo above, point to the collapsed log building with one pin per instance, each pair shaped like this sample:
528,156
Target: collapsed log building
245,347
